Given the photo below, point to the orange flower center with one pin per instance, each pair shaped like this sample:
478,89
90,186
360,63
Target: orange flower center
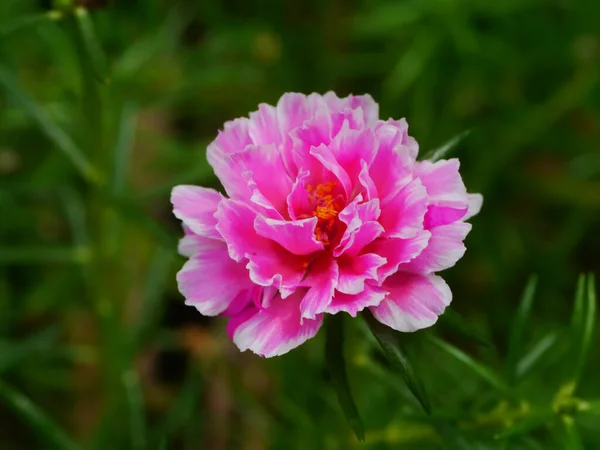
327,207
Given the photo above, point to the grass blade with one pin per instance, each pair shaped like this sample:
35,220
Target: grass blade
13,353
535,355
588,322
36,419
533,422
43,255
92,45
519,324
55,134
336,365
124,147
456,322
135,401
24,22
571,438
482,371
444,150
399,361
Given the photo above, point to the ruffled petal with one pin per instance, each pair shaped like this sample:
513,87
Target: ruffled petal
322,279
444,249
413,301
274,330
195,206
397,251
263,127
211,281
353,304
403,215
353,272
365,102
297,237
475,204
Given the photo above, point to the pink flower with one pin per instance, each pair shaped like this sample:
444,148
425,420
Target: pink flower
327,211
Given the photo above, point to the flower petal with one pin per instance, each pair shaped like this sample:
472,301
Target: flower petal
444,249
298,237
369,107
322,279
274,330
403,215
413,301
195,206
263,127
353,304
397,251
443,183
211,280
353,272
475,203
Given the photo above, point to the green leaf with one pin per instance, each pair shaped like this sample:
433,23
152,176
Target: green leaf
519,325
24,22
43,255
35,418
336,365
13,353
444,150
481,370
396,356
571,438
526,425
135,401
55,134
124,147
92,45
535,355
456,322
584,320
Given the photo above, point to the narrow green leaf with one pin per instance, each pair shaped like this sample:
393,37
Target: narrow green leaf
578,317
24,22
124,147
35,418
135,401
481,370
398,360
587,326
55,134
526,425
456,322
517,331
154,290
444,150
336,365
572,440
13,353
535,355
92,45
43,255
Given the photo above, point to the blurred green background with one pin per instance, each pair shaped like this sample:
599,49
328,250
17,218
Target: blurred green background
103,110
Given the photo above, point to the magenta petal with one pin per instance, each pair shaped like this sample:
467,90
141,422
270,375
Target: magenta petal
322,279
397,251
298,237
403,215
443,183
414,301
324,155
195,206
392,168
365,102
275,330
269,263
263,127
264,173
298,203
234,138
350,147
442,215
475,203
353,304
444,249
211,280
353,272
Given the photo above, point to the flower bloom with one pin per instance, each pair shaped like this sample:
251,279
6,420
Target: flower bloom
327,211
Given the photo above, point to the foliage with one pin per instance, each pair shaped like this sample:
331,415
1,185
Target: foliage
103,110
